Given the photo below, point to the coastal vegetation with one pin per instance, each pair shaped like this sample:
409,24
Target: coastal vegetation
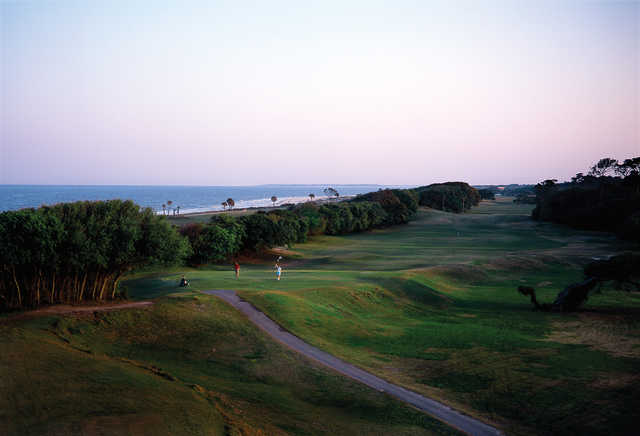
74,252
451,196
606,199
487,194
79,251
224,236
430,305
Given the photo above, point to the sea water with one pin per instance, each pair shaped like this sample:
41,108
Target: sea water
189,198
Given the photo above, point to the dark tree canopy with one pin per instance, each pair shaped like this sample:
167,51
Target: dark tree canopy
486,194
603,166
79,251
596,201
454,197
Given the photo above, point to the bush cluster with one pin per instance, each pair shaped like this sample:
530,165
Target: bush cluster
224,236
79,251
595,203
399,204
450,196
487,194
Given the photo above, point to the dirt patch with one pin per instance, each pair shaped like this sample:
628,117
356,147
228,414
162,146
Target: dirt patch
282,251
605,332
62,309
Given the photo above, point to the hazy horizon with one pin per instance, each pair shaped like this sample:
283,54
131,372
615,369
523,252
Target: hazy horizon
246,93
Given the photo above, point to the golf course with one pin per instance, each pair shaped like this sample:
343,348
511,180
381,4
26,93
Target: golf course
431,306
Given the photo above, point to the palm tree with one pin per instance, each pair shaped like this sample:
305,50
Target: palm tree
178,210
224,205
274,199
164,209
312,196
230,203
169,203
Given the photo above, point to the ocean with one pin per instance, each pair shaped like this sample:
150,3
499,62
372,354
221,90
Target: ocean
189,198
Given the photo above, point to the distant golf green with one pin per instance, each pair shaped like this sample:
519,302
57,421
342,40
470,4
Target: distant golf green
431,306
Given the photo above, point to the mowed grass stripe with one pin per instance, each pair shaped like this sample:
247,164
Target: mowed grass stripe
433,306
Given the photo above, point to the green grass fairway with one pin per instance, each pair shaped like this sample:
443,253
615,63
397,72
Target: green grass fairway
433,306
188,365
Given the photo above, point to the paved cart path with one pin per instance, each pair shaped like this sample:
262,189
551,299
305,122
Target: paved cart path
444,413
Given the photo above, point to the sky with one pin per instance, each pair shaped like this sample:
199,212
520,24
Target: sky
253,92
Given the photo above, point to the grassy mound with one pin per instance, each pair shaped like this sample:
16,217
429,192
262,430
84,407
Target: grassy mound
431,306
189,364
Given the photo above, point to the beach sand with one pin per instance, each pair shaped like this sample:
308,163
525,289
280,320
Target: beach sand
249,210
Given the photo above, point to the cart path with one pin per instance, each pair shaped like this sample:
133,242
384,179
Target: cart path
444,413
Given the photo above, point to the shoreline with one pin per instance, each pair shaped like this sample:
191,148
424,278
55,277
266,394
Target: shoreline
258,208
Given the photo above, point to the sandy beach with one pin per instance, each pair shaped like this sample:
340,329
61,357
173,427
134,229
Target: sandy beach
245,210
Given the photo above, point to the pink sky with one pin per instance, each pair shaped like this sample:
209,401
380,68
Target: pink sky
239,93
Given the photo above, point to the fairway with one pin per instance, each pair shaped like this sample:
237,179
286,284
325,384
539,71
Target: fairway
308,218
433,306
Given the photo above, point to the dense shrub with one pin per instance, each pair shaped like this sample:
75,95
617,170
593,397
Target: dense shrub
602,204
212,242
595,202
487,194
450,196
261,231
409,198
79,251
277,228
291,226
367,215
399,209
338,218
631,227
623,269
311,212
349,217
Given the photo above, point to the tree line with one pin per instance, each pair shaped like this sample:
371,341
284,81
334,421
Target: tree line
607,198
72,252
78,251
456,197
226,236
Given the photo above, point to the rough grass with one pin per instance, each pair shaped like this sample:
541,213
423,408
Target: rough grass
189,364
433,306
